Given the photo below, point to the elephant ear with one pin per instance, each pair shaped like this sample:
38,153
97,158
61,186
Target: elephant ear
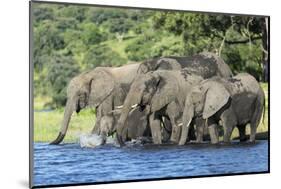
216,97
165,93
101,87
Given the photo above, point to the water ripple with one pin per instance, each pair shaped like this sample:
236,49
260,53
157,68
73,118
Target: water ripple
68,163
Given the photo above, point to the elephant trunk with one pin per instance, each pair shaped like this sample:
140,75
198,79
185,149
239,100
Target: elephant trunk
70,107
103,136
188,114
184,133
130,102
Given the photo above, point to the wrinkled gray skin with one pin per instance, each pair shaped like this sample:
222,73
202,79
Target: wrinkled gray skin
236,102
102,88
203,64
159,93
136,124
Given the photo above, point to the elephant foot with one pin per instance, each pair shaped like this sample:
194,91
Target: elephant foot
213,134
226,141
253,141
181,143
144,140
58,139
120,140
252,138
173,141
194,142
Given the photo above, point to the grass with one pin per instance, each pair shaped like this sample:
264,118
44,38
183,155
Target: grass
47,123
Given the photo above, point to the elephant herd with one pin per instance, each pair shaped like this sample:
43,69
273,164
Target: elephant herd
169,99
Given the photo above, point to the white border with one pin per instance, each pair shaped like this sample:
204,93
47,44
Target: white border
14,72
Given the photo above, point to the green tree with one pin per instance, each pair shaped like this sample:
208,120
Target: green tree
47,39
61,70
218,33
102,55
91,34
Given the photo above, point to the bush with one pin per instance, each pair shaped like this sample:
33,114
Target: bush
91,34
102,55
140,49
61,70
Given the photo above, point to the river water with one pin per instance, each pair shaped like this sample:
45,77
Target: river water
69,163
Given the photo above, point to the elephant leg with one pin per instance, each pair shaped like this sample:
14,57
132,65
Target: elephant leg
253,132
167,124
191,133
155,127
242,133
199,122
176,131
228,132
256,117
175,117
228,122
96,129
166,133
214,135
101,110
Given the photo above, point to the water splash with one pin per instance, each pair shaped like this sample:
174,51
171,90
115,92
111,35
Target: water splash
93,140
90,140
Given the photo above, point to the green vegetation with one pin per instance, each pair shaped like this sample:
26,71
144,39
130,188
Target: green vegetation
69,39
47,123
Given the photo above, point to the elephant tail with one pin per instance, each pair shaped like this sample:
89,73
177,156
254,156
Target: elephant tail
263,116
261,103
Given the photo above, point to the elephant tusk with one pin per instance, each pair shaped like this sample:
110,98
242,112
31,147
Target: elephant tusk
131,111
188,124
119,107
135,105
181,124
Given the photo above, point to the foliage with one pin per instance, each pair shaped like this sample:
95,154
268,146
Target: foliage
61,70
140,49
69,39
236,38
102,55
91,34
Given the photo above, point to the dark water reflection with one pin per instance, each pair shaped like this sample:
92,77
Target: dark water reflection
68,163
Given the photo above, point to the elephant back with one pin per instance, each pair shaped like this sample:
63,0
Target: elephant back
205,64
125,74
242,83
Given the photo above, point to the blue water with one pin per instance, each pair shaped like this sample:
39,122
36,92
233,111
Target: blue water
68,163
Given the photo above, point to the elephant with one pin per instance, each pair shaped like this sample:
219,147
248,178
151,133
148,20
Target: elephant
159,94
136,124
102,88
235,101
205,64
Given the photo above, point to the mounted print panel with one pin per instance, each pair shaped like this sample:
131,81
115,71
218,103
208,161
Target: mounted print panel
122,94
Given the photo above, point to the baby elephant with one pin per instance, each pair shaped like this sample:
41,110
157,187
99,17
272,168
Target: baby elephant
137,124
236,101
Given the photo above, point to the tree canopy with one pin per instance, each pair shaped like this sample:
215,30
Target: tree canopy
69,39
